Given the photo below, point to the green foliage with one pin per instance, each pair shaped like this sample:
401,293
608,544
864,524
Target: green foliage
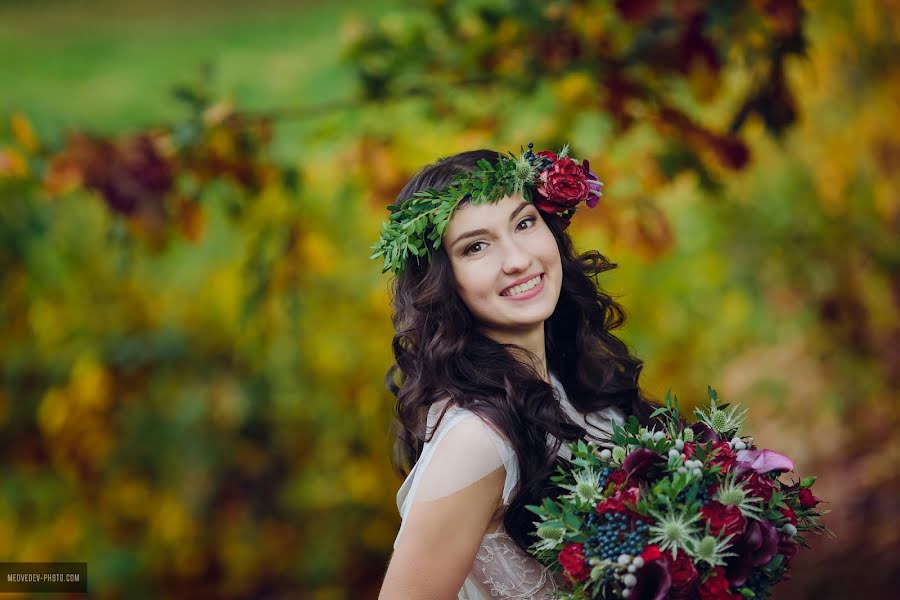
425,216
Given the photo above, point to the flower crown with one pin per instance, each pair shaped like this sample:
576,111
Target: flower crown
554,183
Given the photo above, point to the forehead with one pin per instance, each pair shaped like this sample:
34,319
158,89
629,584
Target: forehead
477,216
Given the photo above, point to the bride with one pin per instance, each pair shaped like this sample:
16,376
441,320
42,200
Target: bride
503,351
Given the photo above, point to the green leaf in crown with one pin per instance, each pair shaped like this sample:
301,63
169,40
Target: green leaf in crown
556,183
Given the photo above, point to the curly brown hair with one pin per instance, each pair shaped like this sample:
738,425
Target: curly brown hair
440,354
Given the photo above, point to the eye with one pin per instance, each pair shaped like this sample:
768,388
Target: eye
530,223
473,248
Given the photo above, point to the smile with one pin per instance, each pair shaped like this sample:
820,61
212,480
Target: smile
525,290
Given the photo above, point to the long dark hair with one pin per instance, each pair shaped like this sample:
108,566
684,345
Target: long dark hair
440,353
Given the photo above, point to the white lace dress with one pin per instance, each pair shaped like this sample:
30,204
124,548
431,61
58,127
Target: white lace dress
463,450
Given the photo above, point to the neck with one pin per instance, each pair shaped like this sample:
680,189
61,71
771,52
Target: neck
533,341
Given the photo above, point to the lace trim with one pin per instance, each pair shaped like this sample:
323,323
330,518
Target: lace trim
508,572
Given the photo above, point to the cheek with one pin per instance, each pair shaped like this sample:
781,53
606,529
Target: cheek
472,283
549,250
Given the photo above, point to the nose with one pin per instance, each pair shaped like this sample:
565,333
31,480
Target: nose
516,258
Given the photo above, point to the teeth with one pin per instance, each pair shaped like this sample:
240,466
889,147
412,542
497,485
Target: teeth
522,287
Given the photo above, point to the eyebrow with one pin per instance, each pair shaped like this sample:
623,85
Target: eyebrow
476,232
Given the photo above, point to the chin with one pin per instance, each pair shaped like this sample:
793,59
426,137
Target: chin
526,319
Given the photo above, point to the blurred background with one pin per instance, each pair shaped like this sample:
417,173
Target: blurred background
193,340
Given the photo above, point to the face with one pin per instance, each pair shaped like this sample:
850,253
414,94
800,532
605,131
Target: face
506,266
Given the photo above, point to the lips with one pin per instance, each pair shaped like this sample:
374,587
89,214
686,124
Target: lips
523,286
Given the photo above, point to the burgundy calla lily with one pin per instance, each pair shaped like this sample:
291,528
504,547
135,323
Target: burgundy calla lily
640,460
755,548
653,580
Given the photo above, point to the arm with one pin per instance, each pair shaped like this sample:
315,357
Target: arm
452,508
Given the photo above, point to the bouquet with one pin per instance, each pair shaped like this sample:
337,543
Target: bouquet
677,511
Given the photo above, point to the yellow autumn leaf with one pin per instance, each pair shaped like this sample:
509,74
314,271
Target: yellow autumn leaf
575,88
90,383
53,411
318,255
23,133
12,164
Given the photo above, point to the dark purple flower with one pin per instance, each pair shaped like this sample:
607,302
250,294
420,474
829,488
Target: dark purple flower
594,183
703,433
755,548
640,460
653,580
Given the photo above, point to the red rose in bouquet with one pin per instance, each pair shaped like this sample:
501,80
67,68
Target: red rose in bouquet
807,499
617,477
724,520
684,576
620,502
789,514
572,560
723,456
716,587
760,486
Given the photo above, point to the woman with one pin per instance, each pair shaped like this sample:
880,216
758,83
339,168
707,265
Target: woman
503,352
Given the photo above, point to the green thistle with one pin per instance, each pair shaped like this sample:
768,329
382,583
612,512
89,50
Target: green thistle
586,487
524,172
674,531
551,537
722,421
733,493
711,550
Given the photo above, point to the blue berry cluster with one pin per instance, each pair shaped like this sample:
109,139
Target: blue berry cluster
612,534
542,162
604,473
